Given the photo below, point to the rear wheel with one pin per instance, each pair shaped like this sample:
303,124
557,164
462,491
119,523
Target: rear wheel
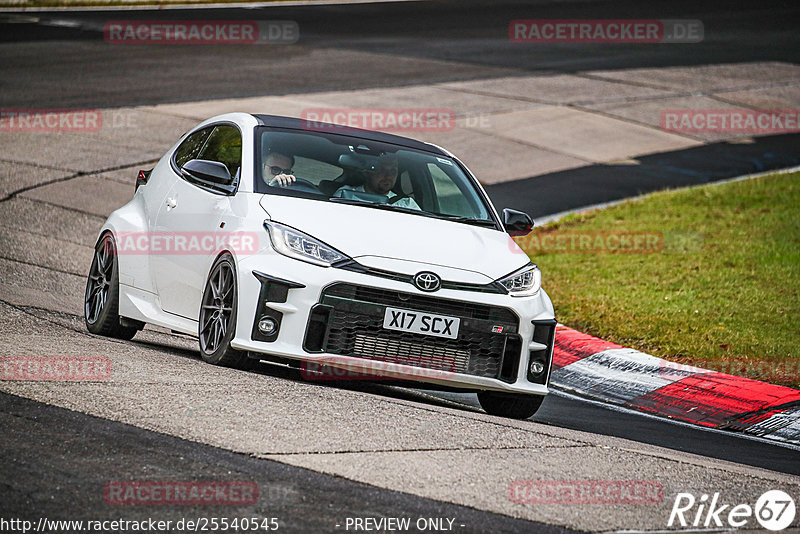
514,406
217,324
101,300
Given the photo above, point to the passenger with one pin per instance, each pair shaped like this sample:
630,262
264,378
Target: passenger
380,181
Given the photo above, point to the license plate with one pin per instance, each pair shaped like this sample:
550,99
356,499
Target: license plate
427,324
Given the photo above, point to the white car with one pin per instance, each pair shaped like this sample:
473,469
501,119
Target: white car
317,245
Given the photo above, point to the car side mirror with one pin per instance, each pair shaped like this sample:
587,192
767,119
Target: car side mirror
517,223
210,173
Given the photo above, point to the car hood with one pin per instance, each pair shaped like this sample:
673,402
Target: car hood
402,242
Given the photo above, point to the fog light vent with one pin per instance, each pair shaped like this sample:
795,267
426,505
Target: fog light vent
541,351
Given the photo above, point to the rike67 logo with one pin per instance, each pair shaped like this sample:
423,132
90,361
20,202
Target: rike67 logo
774,510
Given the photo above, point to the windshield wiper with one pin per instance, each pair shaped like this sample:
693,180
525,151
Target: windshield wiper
466,220
352,201
378,205
391,207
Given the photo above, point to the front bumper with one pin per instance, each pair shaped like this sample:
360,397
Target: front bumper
334,316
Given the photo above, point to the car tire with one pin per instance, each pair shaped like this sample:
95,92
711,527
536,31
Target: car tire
101,299
217,320
513,406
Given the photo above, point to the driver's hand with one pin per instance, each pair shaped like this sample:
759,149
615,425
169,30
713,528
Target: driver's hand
282,180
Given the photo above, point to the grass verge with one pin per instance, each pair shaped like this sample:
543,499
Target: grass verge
707,276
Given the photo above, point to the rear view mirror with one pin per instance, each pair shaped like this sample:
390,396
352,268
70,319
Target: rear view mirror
357,162
517,223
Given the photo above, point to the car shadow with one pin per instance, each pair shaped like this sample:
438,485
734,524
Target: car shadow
174,345
396,389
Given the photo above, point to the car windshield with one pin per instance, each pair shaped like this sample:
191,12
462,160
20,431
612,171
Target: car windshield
340,168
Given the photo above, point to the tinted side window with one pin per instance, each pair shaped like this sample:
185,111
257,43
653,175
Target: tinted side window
189,149
225,146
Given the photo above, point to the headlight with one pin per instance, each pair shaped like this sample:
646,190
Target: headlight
523,283
300,246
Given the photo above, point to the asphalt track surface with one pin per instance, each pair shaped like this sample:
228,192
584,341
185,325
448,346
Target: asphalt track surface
415,42
344,47
62,456
597,184
65,458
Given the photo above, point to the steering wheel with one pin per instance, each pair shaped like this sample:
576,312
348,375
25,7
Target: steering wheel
304,185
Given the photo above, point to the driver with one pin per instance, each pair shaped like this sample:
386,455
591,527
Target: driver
380,181
278,170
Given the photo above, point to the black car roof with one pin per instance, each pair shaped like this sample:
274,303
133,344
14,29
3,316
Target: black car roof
294,123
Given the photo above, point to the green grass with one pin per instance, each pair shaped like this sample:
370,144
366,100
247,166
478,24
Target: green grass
721,291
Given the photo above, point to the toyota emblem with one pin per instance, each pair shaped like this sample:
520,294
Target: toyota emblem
427,281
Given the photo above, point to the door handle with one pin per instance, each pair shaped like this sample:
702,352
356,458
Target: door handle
171,202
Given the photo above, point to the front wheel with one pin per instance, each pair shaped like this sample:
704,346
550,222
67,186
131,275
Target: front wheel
101,300
217,321
514,406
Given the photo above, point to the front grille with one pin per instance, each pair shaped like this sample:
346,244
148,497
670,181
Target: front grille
353,319
427,355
